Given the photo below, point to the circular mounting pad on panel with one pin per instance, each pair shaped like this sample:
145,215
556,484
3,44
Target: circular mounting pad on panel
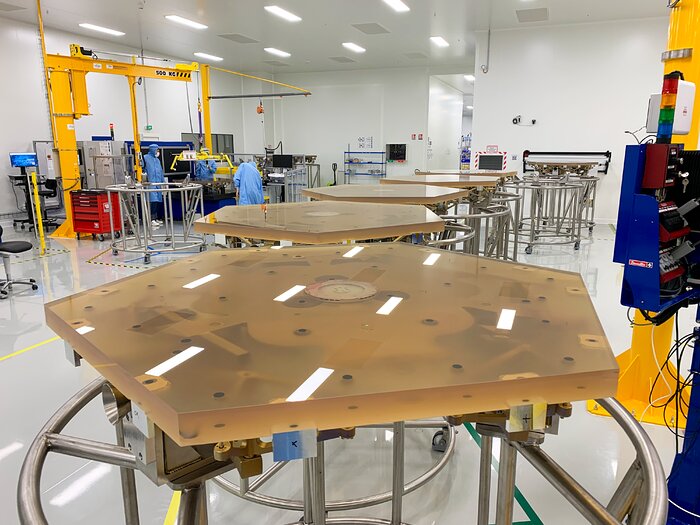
337,290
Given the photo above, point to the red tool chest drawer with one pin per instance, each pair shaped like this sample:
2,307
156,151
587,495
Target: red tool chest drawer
91,211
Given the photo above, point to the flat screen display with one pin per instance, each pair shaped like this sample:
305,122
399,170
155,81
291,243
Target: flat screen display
490,162
283,161
24,160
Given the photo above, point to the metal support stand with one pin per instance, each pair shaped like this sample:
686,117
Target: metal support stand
318,485
644,502
397,472
203,505
307,475
190,510
128,480
484,480
506,484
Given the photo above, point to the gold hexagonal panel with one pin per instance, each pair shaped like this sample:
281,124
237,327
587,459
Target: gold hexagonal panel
239,349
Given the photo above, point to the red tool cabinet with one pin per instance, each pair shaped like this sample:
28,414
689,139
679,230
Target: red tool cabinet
91,210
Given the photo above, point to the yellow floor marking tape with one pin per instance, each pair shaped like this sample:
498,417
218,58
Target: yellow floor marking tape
32,347
47,254
171,516
92,260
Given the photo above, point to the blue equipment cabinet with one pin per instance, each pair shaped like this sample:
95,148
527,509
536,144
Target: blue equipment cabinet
645,253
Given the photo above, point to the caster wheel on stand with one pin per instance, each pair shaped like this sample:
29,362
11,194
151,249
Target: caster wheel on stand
35,287
147,259
440,441
117,235
100,237
577,245
528,250
590,230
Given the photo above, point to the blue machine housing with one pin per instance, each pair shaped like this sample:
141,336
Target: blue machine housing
637,239
637,247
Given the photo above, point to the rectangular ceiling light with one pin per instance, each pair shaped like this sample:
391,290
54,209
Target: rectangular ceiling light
354,47
277,52
351,253
203,280
207,56
101,29
439,41
185,22
174,361
84,330
389,306
469,78
308,387
282,13
432,259
397,5
289,293
505,320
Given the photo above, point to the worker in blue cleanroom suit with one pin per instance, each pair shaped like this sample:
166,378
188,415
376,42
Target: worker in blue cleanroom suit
154,173
249,184
205,169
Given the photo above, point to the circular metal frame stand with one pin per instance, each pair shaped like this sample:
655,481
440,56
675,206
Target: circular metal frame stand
140,235
641,496
490,223
249,490
552,212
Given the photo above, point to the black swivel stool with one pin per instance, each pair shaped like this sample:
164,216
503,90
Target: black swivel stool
7,250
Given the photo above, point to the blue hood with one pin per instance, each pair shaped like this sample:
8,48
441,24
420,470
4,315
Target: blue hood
153,148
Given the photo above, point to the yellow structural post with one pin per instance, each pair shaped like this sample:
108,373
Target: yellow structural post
684,55
135,126
37,214
206,105
650,346
639,367
65,143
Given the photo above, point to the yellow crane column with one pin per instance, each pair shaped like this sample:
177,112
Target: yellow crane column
205,71
65,142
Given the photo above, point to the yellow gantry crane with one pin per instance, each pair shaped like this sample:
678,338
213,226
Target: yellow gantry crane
65,78
68,101
66,86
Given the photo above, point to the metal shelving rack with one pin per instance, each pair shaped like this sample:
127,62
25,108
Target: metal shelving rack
364,164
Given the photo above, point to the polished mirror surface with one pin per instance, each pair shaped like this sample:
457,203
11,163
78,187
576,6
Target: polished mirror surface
320,222
451,181
337,336
387,194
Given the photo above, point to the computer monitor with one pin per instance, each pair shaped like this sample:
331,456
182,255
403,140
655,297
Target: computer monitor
283,161
24,160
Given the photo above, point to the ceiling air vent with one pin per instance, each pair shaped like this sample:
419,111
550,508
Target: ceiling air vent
342,60
415,56
276,63
241,39
371,28
540,14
